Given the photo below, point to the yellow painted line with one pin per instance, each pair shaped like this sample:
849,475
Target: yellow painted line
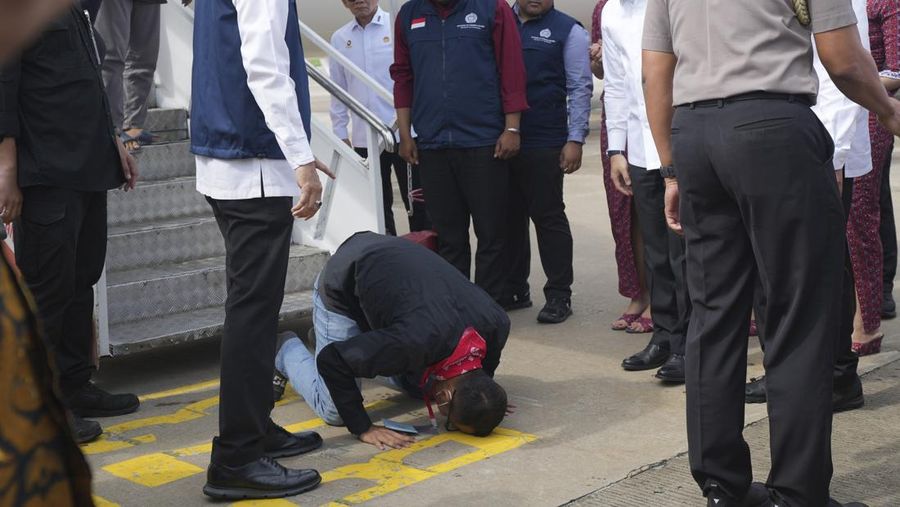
106,444
153,470
278,502
318,423
102,502
390,474
188,389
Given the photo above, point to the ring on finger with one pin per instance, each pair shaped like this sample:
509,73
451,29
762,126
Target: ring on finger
318,204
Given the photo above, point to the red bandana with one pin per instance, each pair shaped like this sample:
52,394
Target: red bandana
467,356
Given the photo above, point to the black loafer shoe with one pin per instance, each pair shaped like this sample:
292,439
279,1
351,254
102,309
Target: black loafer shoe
849,397
555,311
263,478
91,401
757,496
755,390
85,431
653,356
673,371
280,443
516,302
888,306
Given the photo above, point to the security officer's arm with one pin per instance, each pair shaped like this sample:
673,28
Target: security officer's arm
853,71
659,72
10,195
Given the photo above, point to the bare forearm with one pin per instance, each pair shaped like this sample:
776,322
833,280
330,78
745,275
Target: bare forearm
852,69
892,85
659,71
404,123
513,120
8,156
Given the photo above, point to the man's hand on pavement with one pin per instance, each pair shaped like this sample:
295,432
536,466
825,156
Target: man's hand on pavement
570,157
507,146
618,171
383,438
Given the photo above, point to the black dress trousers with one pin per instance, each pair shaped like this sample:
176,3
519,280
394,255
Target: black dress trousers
257,235
61,249
418,220
664,257
536,192
463,185
759,200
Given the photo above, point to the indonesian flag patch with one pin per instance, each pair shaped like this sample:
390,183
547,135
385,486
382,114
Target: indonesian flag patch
417,23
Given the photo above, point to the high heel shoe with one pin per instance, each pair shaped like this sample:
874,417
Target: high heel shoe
868,348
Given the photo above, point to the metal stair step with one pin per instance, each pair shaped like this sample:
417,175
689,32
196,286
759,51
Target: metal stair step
160,200
130,337
177,288
167,160
163,242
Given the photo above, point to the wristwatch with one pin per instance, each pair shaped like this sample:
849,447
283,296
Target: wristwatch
667,171
612,153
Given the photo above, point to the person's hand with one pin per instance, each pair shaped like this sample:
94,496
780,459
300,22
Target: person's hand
570,157
596,52
510,409
310,189
618,171
892,121
673,217
129,166
383,438
408,150
10,195
507,146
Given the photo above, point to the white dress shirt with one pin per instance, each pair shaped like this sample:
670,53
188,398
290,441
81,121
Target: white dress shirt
626,113
846,121
371,48
262,25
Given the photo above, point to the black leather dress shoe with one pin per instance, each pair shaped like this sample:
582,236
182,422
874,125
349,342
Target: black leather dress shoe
85,431
653,356
673,371
280,443
91,401
263,478
757,496
849,397
516,302
555,311
755,390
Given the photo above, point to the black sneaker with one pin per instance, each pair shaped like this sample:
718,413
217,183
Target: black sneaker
516,302
85,431
849,397
755,390
91,401
263,478
555,311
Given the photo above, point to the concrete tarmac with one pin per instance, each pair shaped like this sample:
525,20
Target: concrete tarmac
582,423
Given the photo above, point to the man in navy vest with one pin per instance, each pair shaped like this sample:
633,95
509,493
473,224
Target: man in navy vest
459,79
557,61
250,130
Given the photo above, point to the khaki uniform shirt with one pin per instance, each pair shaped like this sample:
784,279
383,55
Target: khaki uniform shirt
728,47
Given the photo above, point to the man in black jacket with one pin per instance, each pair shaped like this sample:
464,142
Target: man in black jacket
58,157
386,307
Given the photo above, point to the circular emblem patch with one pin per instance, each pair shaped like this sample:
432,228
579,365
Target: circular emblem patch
546,33
387,40
349,43
471,18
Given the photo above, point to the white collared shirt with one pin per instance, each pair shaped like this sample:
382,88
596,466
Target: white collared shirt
264,53
846,121
371,48
626,113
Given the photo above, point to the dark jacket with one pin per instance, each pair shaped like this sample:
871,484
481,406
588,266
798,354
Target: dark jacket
412,307
52,100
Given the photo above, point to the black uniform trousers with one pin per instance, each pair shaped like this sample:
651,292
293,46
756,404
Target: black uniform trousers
418,221
61,249
888,230
664,257
536,192
257,235
462,185
759,201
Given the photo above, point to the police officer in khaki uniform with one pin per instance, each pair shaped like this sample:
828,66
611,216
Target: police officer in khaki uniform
751,166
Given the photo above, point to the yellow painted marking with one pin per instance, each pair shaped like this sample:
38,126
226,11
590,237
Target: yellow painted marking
107,444
153,470
280,502
193,388
102,502
390,474
194,450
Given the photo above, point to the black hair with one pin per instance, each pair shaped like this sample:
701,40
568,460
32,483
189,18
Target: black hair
478,403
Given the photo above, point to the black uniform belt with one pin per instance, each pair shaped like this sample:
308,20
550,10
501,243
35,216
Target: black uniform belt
803,99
